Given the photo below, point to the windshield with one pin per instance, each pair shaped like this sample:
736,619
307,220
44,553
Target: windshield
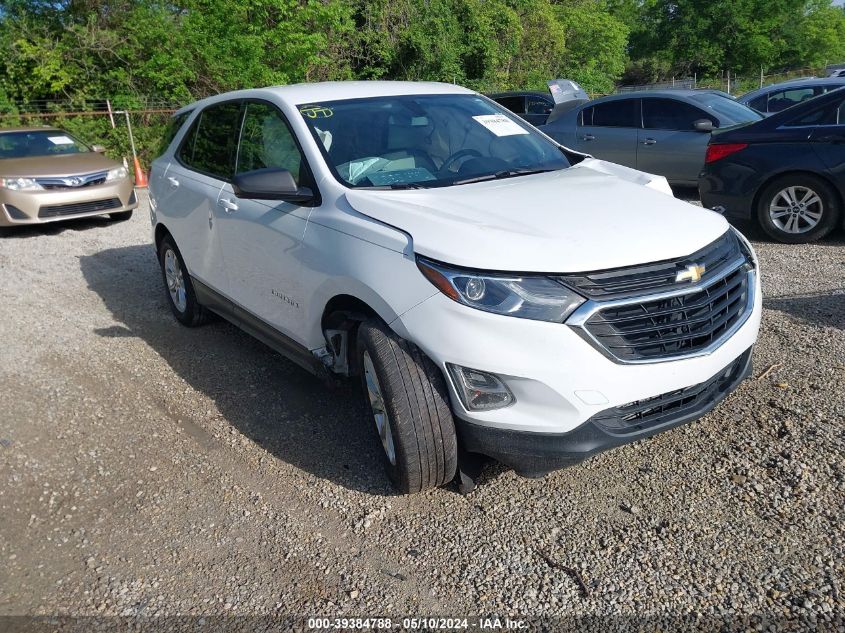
33,143
419,141
729,111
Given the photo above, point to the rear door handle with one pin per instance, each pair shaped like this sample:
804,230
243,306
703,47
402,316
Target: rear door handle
830,138
649,141
173,182
227,205
588,137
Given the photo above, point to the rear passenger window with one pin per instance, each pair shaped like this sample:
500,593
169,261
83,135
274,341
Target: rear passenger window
831,114
671,114
536,105
266,141
622,113
783,99
514,104
210,145
760,103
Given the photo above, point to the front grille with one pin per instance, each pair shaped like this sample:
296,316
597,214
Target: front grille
675,406
73,182
93,206
679,325
655,277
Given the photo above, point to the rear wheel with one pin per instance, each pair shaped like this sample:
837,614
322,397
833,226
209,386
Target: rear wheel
798,208
410,408
180,291
120,216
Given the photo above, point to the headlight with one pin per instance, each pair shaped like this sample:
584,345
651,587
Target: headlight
118,173
19,184
527,297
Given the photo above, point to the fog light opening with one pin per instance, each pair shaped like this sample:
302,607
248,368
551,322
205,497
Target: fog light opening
480,390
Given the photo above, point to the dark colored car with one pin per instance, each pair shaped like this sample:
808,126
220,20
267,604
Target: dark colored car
787,172
534,107
662,132
780,96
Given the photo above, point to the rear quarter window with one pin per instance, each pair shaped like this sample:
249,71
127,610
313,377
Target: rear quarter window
173,126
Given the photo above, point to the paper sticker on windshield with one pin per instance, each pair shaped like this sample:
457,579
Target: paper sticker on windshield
316,111
60,140
499,124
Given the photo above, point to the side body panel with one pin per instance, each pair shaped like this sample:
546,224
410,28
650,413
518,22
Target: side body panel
677,155
614,144
261,241
186,203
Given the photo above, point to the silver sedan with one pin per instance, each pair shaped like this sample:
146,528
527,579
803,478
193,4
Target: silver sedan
660,132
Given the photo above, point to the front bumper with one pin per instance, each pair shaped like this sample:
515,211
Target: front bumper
535,454
562,384
19,208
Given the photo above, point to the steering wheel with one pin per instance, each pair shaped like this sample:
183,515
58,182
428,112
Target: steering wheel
457,156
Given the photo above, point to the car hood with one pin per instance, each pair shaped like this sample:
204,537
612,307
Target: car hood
61,165
592,216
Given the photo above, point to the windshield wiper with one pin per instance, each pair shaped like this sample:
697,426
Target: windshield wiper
395,186
507,173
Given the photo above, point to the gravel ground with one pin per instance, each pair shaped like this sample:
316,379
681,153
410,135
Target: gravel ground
149,469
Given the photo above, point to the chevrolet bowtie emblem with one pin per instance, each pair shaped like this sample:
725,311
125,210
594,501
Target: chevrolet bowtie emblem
691,273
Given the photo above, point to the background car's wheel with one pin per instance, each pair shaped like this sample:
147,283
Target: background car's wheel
798,208
410,407
120,216
180,290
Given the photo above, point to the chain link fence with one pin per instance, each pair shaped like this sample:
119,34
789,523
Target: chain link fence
727,82
99,122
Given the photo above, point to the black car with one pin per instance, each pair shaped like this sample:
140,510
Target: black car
787,172
534,107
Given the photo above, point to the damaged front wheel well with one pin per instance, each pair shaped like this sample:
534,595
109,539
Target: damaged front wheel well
340,321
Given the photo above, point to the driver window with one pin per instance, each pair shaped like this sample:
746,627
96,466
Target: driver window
266,141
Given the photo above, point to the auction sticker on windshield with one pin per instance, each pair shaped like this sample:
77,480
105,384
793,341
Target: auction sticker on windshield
499,124
60,140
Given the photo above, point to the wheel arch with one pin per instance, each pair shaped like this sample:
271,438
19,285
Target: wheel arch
161,231
800,172
344,313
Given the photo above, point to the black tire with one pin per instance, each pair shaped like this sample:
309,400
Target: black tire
192,314
121,216
416,402
829,207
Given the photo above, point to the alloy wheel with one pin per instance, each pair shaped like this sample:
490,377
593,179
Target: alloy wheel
175,280
382,419
796,209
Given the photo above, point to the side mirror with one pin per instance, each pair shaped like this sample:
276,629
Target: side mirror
98,149
703,125
271,183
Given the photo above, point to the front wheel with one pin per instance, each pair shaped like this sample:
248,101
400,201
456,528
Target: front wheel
798,208
410,407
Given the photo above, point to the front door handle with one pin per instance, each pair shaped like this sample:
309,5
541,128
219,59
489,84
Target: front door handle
173,182
649,141
588,137
227,205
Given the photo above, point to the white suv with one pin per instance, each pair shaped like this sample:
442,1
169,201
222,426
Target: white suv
498,294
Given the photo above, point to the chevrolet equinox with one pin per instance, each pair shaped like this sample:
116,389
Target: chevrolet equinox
498,294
